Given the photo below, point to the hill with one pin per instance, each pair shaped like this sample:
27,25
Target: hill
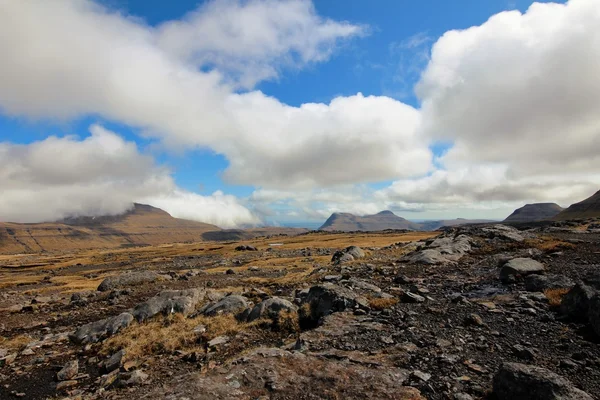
142,225
588,208
534,212
378,222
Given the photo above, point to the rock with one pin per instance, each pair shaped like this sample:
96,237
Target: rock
503,232
474,319
135,378
99,330
443,249
539,283
69,371
246,248
462,396
350,253
422,376
409,297
520,267
575,304
328,298
526,382
129,279
253,269
523,353
363,285
218,341
115,361
270,308
169,302
60,386
594,314
228,305
230,272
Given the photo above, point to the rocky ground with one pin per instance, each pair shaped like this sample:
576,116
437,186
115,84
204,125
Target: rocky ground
480,312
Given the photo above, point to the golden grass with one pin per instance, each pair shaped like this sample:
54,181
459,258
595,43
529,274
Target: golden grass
17,343
172,333
549,244
288,321
381,304
555,296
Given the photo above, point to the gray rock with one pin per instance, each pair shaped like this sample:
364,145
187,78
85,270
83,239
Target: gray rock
444,249
129,279
328,298
270,308
360,284
520,267
539,283
69,371
99,330
169,302
228,305
526,382
409,297
504,232
114,362
350,253
135,378
575,304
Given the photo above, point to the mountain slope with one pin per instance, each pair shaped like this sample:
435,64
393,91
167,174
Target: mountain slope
534,212
434,225
384,220
588,208
141,225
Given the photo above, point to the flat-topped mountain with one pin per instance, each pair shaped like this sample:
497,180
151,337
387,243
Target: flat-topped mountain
534,212
141,225
434,225
588,208
378,222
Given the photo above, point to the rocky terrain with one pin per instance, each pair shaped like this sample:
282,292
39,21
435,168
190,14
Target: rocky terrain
534,212
588,208
475,312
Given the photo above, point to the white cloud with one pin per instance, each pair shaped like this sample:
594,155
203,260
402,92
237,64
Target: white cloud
99,175
220,209
252,40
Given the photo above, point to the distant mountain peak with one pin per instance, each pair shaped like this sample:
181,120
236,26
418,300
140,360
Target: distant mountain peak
534,212
377,222
588,208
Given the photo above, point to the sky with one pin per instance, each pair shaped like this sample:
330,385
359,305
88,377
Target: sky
264,112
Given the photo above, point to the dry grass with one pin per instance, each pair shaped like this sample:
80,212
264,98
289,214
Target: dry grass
17,343
549,244
172,333
381,304
555,296
288,321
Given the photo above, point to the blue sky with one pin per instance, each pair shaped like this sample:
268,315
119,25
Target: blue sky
386,54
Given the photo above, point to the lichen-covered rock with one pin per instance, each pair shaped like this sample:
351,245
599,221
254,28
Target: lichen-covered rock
228,305
329,298
169,302
350,253
99,330
69,371
128,279
527,382
270,308
444,249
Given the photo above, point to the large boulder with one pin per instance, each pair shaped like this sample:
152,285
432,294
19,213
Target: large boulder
325,299
228,305
99,330
576,303
503,232
128,279
520,267
539,283
350,253
270,308
526,382
444,249
169,302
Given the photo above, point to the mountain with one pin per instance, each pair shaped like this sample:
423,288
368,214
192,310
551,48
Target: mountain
534,212
588,208
384,220
142,225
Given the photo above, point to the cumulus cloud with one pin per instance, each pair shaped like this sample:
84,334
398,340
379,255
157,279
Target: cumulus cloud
99,175
520,89
123,70
253,40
